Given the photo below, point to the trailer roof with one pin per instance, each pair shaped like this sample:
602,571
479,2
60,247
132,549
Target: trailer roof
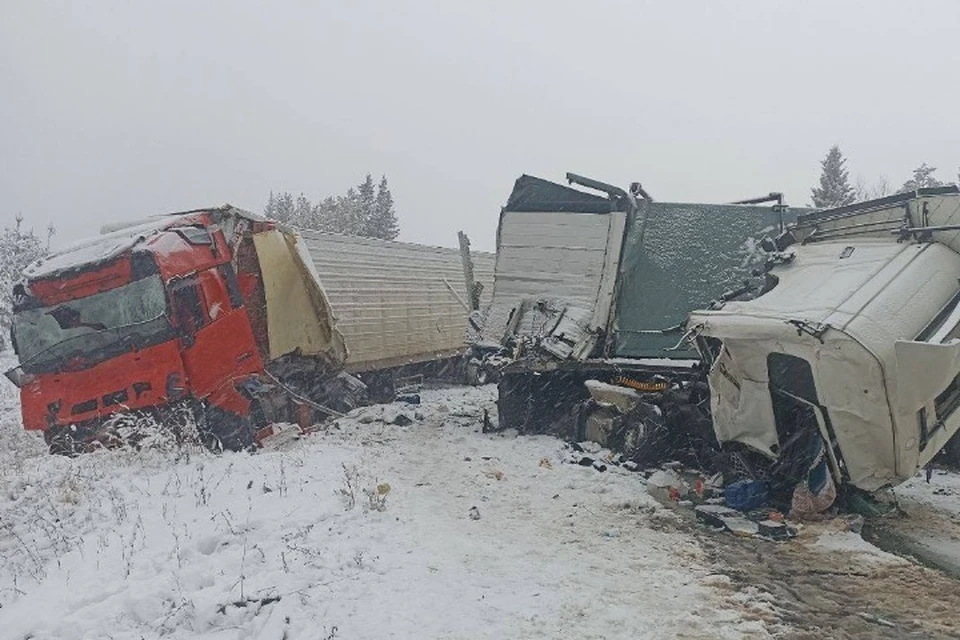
536,194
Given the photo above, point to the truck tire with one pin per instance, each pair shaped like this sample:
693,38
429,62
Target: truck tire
222,430
61,442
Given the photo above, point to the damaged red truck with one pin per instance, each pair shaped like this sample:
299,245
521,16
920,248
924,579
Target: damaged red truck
180,311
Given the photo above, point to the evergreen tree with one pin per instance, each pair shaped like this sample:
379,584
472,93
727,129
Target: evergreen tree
834,189
348,220
324,215
302,212
385,224
365,210
366,200
284,208
270,211
922,178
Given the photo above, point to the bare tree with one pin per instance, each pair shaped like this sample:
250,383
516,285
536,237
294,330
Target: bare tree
871,191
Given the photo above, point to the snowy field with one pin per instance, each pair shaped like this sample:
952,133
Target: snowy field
374,528
299,542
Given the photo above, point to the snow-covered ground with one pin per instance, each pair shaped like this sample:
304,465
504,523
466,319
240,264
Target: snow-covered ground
186,544
942,491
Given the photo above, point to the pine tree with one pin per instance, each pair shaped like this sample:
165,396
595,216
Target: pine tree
302,212
270,211
834,189
385,224
324,215
284,208
922,179
349,219
366,201
365,210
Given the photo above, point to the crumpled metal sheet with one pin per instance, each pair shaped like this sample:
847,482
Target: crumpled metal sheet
299,318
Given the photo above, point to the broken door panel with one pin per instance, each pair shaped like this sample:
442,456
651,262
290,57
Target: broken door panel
567,261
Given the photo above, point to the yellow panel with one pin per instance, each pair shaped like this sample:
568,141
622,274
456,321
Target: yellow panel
299,318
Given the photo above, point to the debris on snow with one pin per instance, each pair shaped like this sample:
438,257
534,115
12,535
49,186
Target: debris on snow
158,544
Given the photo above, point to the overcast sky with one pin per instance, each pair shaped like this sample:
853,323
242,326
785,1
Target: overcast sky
118,110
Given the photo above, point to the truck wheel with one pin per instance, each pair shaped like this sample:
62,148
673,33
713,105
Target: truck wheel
60,441
226,431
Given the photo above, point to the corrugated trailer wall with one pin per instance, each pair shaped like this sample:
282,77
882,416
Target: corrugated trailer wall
392,299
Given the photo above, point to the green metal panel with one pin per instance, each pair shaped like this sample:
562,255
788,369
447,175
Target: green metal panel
679,257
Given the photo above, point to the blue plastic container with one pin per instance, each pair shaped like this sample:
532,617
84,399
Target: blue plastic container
745,495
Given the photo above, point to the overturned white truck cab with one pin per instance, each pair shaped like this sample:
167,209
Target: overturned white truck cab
856,334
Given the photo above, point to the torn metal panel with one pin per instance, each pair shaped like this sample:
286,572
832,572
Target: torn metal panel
553,326
623,398
299,318
567,258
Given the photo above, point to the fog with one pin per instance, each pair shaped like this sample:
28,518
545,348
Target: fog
120,110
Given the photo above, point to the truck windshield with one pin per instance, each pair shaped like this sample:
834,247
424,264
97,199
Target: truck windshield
81,333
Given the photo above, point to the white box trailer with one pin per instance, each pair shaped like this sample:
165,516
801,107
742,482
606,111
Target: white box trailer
399,305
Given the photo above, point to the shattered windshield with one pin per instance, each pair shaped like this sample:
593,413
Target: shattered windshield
89,330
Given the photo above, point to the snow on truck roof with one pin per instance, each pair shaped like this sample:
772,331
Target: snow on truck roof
114,240
92,250
818,281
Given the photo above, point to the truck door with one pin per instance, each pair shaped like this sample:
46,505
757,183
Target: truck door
218,347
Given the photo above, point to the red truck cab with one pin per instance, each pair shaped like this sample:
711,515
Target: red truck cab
136,320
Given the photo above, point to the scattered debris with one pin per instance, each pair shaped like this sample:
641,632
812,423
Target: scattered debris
774,529
246,602
869,617
402,420
726,518
745,495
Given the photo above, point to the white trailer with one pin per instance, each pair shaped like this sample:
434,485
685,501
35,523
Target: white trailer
400,306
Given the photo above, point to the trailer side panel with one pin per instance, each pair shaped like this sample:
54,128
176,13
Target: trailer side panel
396,303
